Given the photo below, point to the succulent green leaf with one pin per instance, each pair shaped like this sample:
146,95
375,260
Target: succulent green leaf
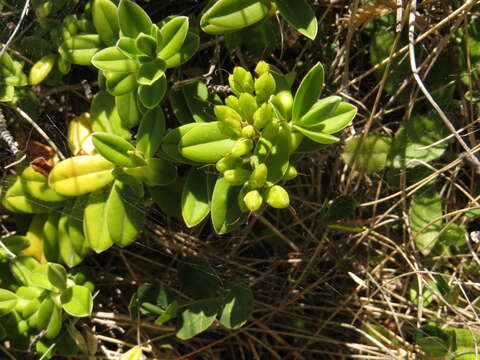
237,306
36,185
146,44
173,34
80,49
179,106
133,19
104,115
425,207
168,198
50,237
226,214
150,72
433,346
151,131
171,141
277,161
197,277
125,214
299,15
231,15
113,59
308,92
127,109
16,198
57,275
205,143
369,157
80,175
95,224
105,20
152,95
8,300
197,318
15,244
339,119
319,111
196,196
128,46
199,101
182,55
155,172
77,301
67,251
317,135
120,83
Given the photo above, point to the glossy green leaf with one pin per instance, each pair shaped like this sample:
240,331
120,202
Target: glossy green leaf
300,15
155,172
150,72
277,161
40,70
308,92
425,207
339,119
112,59
146,44
230,15
188,49
197,277
152,95
16,199
168,198
317,135
75,226
173,34
80,49
120,83
321,110
196,196
127,109
197,318
125,214
77,301
105,19
205,143
129,47
15,244
36,185
50,237
67,250
95,224
104,115
54,324
151,131
57,275
8,300
369,157
225,212
237,306
171,141
413,141
133,19
80,175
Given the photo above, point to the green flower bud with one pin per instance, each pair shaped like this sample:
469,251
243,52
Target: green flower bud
277,197
70,23
229,117
271,130
291,173
226,163
242,147
248,106
262,68
253,200
283,102
248,131
264,87
232,101
262,116
241,81
258,177
237,176
41,69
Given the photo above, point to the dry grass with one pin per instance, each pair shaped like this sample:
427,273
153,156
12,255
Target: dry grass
317,290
